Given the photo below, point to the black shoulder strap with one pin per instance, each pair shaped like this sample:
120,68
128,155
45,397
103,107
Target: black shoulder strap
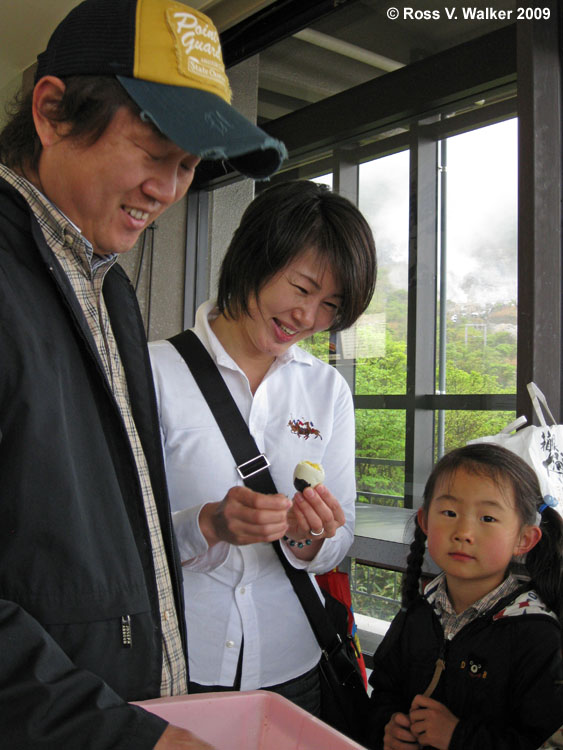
252,467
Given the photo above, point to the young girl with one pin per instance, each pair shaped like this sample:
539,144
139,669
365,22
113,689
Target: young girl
475,662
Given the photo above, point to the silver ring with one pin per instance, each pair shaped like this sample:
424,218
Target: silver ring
317,533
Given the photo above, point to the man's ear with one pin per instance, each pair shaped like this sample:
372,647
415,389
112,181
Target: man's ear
47,95
421,518
529,537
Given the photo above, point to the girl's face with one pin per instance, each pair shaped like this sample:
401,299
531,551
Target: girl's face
298,301
473,532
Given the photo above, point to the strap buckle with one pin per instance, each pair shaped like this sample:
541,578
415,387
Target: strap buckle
256,464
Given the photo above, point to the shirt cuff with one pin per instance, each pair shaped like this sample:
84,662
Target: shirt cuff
195,553
191,541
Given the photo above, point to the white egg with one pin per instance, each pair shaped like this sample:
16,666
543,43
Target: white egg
307,474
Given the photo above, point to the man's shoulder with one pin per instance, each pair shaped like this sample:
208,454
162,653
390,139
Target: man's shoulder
16,222
10,201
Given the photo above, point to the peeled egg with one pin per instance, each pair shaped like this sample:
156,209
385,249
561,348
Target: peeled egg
307,474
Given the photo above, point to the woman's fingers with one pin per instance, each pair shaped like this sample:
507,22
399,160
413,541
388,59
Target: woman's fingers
321,510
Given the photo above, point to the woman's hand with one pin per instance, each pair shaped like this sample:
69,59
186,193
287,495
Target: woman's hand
316,515
431,722
398,734
245,517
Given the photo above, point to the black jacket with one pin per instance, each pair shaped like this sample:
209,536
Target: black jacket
75,554
502,677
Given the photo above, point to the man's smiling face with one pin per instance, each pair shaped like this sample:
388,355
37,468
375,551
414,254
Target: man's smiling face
115,187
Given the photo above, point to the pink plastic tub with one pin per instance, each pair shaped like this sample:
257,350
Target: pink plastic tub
255,720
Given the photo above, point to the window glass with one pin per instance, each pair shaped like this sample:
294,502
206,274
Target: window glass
380,456
319,343
324,179
480,244
376,592
476,329
380,336
462,426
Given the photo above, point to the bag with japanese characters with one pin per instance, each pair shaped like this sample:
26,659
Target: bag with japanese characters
540,446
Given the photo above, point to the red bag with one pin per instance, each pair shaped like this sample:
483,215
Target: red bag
338,585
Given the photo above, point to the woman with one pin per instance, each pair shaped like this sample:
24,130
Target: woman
301,261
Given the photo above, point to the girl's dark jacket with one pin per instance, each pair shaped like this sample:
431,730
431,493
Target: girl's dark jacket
75,554
502,678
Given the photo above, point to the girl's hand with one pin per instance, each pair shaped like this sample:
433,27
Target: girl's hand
398,735
316,515
431,722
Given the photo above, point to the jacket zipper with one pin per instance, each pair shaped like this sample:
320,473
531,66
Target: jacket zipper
438,669
126,636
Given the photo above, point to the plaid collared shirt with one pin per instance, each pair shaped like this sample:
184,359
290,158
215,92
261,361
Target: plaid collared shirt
452,623
86,273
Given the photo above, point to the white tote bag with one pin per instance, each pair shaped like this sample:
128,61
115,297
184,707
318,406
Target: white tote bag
540,446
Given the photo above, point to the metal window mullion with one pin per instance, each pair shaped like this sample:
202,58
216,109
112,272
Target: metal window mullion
540,328
346,176
345,183
197,251
443,252
421,328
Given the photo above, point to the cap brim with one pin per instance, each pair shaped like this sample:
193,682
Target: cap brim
205,125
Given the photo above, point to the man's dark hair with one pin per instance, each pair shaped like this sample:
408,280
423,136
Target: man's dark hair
87,106
285,221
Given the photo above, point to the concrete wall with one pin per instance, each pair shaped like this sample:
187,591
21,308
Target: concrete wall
160,287
227,204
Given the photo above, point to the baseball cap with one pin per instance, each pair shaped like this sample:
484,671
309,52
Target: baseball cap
168,58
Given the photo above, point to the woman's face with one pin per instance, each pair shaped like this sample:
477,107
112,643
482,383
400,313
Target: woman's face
299,300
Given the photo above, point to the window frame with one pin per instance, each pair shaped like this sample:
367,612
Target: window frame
336,135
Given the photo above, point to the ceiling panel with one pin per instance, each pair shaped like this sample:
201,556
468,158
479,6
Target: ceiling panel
348,46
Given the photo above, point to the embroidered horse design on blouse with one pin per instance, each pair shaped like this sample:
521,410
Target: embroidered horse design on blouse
303,429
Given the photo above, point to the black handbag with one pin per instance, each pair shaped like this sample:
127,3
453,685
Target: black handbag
344,700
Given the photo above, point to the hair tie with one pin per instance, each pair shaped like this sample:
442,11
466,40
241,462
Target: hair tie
548,502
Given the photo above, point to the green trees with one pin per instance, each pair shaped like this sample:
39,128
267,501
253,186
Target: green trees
480,358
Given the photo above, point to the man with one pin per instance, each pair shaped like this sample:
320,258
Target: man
129,95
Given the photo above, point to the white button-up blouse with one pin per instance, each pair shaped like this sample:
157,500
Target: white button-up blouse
231,590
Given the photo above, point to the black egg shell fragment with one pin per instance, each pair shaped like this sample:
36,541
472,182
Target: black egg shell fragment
300,484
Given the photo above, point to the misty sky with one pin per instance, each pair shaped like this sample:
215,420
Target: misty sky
481,214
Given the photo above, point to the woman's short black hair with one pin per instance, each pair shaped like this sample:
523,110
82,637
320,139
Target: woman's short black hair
287,220
87,106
